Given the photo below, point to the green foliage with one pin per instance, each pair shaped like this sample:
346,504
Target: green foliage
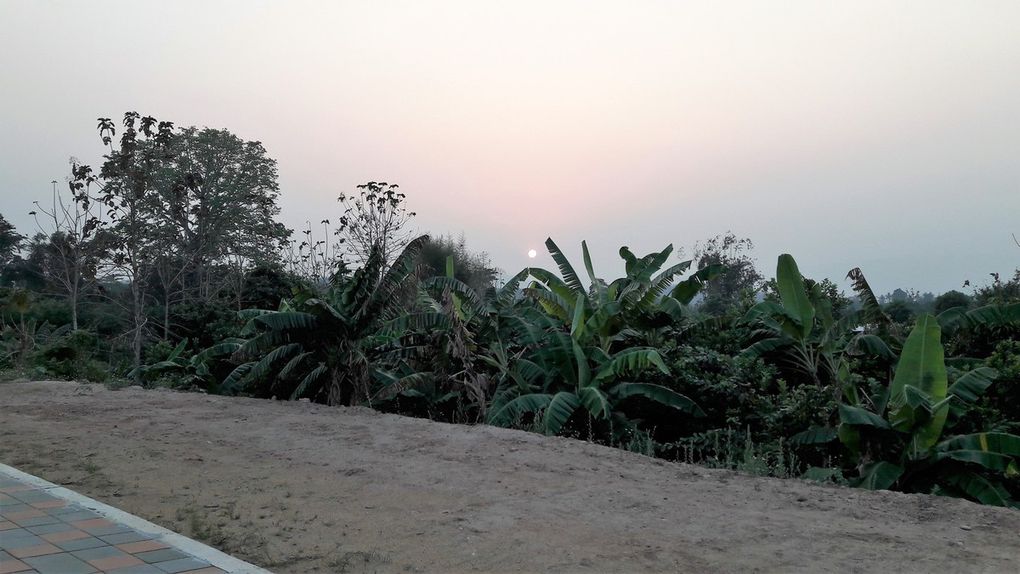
704,363
897,437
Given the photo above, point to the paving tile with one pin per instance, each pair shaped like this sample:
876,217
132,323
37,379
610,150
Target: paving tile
44,534
27,512
9,543
65,536
12,533
99,526
164,555
76,515
36,520
139,569
114,562
60,564
31,496
46,504
62,510
125,537
9,565
37,550
142,546
101,552
50,528
182,565
80,544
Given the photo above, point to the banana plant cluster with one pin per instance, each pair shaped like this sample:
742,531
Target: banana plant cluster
325,346
801,332
898,437
580,353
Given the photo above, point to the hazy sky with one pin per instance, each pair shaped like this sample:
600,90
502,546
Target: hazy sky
884,135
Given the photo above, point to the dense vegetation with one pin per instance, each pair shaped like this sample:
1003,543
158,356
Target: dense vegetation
167,267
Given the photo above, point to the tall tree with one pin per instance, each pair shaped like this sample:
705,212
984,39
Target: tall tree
126,180
10,241
375,217
77,243
216,205
739,282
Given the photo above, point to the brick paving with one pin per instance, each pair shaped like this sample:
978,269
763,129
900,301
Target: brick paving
46,534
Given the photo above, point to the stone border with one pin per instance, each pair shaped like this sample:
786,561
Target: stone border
171,538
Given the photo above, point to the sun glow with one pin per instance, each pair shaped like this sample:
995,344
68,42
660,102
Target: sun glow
532,253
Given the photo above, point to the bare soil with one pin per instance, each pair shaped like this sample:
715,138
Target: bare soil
296,487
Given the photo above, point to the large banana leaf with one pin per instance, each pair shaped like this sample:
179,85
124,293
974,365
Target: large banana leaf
292,365
595,401
312,378
980,488
973,384
553,283
871,308
661,283
793,293
551,302
513,409
814,435
508,292
880,475
659,394
461,289
994,450
857,416
686,290
561,406
233,381
287,320
922,366
570,277
633,360
262,367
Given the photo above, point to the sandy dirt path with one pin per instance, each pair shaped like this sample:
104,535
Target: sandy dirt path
297,487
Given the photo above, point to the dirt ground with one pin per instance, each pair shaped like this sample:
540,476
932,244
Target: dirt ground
296,487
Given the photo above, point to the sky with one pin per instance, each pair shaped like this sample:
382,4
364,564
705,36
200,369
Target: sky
884,135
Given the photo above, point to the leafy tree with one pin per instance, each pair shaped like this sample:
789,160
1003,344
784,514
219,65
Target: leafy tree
10,241
736,287
899,310
214,207
375,217
472,269
72,258
1000,291
123,186
950,300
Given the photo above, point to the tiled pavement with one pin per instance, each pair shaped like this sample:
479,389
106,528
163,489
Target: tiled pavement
50,530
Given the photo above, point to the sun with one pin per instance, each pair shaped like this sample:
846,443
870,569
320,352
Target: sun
532,253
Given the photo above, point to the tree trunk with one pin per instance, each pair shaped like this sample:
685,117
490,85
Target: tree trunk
166,314
139,319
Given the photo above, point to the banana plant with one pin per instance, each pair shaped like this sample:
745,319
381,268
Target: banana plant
197,370
897,437
577,356
324,346
646,298
800,330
